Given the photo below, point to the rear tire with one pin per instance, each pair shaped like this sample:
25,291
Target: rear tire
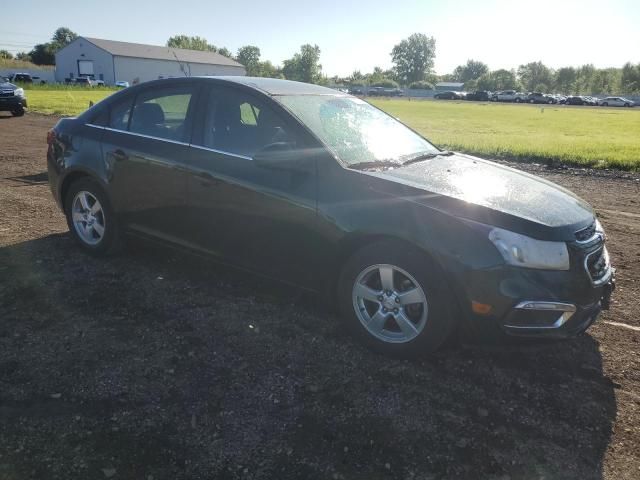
91,219
408,313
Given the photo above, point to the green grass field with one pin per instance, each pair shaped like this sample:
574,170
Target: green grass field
63,100
589,136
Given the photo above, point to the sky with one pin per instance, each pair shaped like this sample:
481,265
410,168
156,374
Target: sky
359,35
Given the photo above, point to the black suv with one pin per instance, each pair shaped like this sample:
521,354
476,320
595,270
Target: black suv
22,78
478,96
449,96
319,189
12,98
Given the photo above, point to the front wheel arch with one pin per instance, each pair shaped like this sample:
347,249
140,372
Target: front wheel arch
446,297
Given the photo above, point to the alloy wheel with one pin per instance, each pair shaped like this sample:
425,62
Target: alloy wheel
390,303
88,217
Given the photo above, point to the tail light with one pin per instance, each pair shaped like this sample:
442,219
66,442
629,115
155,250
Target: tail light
51,136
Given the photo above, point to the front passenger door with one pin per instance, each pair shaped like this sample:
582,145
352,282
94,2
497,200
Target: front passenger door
259,218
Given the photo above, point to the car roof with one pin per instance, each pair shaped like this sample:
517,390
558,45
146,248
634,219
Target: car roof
275,86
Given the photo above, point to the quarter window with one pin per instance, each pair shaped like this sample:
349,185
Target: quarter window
119,115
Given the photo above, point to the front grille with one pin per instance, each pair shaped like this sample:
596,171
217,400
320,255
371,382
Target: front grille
6,93
597,264
586,233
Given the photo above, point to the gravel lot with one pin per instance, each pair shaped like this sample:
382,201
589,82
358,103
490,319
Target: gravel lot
157,364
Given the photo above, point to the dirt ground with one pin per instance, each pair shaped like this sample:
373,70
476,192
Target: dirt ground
156,364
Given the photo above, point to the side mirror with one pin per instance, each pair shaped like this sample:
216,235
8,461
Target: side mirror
281,156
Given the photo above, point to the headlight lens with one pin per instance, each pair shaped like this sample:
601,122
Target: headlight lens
19,92
522,251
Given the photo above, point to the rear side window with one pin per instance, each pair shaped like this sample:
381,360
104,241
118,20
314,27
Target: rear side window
162,112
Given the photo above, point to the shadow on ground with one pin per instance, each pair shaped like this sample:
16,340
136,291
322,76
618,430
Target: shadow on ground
36,179
159,363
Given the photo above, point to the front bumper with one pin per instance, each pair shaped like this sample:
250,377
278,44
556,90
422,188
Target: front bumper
540,303
12,103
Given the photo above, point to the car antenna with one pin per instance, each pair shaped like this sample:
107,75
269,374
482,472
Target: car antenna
182,69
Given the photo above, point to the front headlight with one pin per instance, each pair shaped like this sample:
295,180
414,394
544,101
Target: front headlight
522,251
19,92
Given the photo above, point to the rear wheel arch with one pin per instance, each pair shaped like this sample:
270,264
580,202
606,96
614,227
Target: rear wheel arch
84,217
75,176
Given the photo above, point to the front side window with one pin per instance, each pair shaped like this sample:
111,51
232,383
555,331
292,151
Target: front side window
162,112
240,124
356,131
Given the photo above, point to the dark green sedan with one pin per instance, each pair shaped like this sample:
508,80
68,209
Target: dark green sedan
319,189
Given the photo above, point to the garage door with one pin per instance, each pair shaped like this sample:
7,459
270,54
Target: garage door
85,68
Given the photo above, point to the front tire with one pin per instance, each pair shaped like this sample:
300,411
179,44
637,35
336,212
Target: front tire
395,300
18,112
91,219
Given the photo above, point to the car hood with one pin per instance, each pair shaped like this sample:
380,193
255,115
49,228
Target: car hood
7,86
474,182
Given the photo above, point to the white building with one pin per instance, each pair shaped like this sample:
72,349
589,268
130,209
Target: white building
113,61
454,86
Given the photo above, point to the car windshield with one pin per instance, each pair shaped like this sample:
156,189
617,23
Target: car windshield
356,131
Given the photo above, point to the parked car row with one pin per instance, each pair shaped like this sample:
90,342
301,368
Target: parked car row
25,78
535,97
379,92
90,82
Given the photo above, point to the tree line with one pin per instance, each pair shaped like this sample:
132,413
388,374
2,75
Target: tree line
413,60
537,77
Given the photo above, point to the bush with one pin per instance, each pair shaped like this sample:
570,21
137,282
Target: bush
386,83
421,85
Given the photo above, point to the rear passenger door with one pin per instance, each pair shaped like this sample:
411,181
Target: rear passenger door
260,218
146,146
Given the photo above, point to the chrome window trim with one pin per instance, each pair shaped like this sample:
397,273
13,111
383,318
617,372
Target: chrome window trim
200,147
142,135
209,149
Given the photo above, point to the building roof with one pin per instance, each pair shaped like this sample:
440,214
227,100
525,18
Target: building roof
450,84
155,52
275,86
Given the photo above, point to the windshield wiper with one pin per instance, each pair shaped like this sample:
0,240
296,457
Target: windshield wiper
426,156
375,164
